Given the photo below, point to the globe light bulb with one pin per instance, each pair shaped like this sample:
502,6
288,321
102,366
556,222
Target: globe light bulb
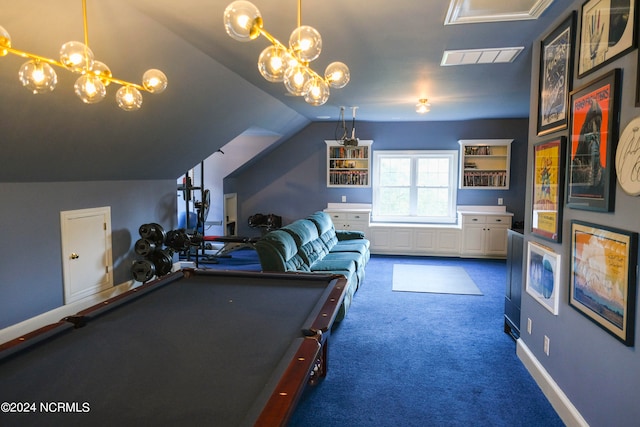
5,41
90,89
317,92
306,43
296,78
337,74
242,21
38,77
101,71
129,98
154,81
76,57
273,62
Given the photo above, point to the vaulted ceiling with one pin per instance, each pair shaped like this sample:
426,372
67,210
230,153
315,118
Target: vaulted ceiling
215,93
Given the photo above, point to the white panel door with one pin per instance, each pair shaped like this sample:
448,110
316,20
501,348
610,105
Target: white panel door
86,252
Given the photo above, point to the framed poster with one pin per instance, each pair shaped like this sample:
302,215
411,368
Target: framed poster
543,276
556,75
603,277
608,31
628,158
548,188
595,111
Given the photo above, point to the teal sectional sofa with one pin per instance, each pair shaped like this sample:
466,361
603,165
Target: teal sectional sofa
313,244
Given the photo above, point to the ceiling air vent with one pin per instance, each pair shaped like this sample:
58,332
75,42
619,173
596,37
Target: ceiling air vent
480,56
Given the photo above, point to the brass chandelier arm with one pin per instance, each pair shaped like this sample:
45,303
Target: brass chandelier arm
59,64
85,23
30,55
50,61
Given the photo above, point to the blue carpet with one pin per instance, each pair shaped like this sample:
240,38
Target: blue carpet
422,359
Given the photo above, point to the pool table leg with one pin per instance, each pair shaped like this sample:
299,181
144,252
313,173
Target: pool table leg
320,368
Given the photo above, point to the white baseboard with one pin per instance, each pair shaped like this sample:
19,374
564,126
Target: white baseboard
55,315
560,402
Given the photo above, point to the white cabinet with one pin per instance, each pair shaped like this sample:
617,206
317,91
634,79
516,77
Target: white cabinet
484,235
350,220
485,163
415,240
348,166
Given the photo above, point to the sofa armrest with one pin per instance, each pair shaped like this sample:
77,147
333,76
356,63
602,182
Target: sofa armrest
349,235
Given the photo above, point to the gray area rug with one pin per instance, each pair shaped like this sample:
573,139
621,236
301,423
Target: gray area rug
433,279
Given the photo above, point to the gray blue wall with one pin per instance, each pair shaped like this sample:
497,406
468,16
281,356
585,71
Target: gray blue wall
598,374
30,251
291,180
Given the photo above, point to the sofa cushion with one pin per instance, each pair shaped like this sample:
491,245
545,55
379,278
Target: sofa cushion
278,251
305,235
346,267
326,230
356,257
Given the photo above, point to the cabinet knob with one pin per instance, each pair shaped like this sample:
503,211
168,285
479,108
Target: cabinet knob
474,219
498,220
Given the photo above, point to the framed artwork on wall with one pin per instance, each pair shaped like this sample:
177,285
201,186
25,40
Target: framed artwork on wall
602,282
543,276
607,31
548,188
628,158
556,75
595,111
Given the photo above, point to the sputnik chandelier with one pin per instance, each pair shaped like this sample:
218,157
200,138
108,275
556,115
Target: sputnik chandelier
38,75
278,63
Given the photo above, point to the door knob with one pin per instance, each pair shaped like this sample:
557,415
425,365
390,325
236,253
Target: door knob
75,256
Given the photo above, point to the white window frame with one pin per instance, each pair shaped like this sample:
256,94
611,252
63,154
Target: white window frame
452,155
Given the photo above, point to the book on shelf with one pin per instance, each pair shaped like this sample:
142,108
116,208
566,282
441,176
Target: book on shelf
485,179
349,178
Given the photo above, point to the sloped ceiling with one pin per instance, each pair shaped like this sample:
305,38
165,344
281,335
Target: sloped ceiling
215,92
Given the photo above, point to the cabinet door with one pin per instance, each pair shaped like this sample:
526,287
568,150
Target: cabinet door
473,237
402,240
380,238
448,241
426,241
496,240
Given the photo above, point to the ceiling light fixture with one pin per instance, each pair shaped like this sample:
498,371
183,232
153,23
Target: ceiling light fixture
38,75
423,106
278,63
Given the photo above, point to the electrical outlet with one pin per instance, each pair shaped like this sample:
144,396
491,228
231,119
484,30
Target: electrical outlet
344,199
529,325
546,345
500,201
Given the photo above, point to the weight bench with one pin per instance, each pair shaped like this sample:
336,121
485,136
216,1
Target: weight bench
231,243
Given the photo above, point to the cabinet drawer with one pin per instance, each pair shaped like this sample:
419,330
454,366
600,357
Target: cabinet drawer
337,216
473,219
498,219
357,217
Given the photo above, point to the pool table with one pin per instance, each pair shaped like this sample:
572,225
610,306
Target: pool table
196,347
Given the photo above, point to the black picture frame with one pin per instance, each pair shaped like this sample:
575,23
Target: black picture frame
608,30
593,135
556,76
602,282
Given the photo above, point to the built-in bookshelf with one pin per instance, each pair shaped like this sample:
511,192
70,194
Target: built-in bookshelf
485,163
348,166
